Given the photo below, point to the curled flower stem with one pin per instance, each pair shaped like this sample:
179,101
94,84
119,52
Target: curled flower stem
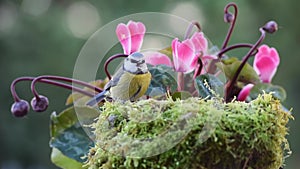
190,28
17,99
231,83
111,59
40,78
13,87
212,66
232,23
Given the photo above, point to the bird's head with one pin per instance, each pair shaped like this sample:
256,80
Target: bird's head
135,63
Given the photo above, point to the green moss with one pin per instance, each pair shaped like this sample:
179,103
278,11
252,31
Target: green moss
192,133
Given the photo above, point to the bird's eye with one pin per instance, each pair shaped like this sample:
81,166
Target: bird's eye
133,61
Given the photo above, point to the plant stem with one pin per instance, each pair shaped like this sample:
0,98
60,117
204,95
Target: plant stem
190,28
231,83
198,68
236,46
246,161
70,87
212,66
232,24
39,78
180,81
111,59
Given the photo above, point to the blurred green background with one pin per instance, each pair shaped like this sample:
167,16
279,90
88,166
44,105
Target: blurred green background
45,37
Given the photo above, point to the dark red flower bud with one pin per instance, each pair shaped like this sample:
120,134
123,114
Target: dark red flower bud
228,17
39,104
271,27
20,108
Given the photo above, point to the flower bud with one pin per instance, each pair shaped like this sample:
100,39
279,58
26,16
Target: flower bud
39,104
271,27
228,17
20,108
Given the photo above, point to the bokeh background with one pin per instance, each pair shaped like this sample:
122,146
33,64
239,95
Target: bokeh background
45,37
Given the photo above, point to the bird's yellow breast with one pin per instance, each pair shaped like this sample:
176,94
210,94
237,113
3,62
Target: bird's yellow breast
131,86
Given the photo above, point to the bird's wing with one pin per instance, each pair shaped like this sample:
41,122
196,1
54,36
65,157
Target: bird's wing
115,79
113,82
99,97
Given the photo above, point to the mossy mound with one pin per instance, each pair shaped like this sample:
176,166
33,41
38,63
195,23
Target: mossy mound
192,133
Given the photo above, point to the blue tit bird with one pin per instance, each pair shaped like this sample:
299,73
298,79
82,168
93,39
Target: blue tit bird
130,82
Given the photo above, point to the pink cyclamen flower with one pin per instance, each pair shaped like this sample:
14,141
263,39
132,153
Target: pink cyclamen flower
186,53
131,36
201,46
266,62
244,93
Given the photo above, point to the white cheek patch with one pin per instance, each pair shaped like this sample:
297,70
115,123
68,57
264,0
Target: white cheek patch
144,67
130,67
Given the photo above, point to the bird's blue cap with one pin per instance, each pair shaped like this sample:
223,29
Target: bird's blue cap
137,55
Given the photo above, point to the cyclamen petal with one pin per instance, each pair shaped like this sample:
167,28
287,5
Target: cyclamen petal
199,41
266,62
266,68
201,48
244,93
201,45
123,34
174,52
265,50
131,36
157,58
209,57
183,55
186,51
137,32
275,56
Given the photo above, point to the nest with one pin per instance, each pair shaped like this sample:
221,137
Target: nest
193,133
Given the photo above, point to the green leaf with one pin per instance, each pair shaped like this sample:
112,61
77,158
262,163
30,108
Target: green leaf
67,134
163,77
277,91
181,95
73,142
207,83
62,161
64,120
167,51
230,66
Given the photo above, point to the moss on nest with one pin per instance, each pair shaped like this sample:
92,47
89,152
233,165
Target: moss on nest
192,133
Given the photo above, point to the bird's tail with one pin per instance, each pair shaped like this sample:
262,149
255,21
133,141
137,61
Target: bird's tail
96,99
